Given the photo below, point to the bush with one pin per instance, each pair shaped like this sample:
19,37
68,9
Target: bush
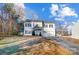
1,38
14,33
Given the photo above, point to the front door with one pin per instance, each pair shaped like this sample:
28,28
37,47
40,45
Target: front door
33,33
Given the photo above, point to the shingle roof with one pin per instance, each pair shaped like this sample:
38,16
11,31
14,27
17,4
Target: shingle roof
33,20
28,20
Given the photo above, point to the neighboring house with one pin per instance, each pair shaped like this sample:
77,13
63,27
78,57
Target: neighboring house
38,27
64,30
69,30
75,30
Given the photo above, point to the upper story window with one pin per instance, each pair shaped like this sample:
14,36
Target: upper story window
27,25
50,26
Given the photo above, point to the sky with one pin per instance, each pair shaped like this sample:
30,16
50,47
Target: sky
63,13
59,12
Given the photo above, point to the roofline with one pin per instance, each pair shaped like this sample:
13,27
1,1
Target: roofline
48,22
33,20
29,20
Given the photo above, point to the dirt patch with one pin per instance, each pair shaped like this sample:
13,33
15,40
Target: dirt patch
46,47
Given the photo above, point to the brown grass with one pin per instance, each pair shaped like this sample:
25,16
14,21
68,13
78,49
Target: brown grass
46,47
73,40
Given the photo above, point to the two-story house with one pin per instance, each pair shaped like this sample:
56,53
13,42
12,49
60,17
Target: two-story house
38,27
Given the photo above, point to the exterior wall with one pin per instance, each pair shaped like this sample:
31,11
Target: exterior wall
75,31
28,29
49,31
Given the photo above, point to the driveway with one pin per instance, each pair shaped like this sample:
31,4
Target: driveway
11,48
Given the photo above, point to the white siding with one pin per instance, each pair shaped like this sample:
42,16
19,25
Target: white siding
37,23
30,29
50,31
27,29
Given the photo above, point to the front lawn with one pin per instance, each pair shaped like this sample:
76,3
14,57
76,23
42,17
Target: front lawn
8,40
70,39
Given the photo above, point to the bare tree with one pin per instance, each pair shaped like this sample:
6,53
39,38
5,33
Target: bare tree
8,17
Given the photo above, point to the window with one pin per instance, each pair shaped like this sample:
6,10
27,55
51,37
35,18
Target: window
28,32
25,32
27,25
50,26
